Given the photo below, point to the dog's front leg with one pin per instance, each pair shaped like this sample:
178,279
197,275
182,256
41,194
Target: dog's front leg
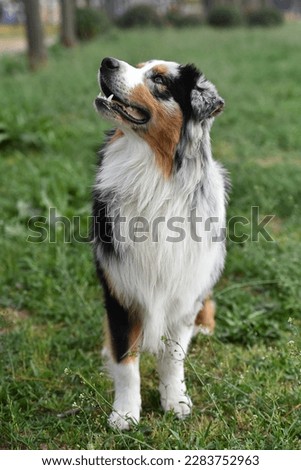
122,348
127,401
172,385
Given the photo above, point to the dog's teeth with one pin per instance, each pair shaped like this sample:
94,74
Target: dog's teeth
111,97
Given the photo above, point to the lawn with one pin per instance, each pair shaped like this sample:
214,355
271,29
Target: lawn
245,381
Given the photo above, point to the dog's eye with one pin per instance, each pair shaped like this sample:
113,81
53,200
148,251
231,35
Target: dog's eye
201,90
158,79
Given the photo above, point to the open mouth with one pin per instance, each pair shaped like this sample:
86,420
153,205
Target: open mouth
130,112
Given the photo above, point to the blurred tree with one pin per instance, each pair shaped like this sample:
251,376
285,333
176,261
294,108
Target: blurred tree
37,54
68,38
207,5
110,7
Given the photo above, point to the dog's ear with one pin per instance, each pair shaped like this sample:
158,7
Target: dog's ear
205,101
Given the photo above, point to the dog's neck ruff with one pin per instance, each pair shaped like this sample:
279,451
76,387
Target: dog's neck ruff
129,168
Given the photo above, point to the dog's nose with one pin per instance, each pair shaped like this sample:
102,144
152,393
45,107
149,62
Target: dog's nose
110,63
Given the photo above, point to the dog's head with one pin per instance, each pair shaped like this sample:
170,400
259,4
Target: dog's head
156,99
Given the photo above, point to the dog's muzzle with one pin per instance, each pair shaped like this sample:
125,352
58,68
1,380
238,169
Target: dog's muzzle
112,101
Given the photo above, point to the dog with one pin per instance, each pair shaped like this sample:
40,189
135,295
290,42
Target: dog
159,207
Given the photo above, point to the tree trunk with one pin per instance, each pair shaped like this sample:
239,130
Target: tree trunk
207,6
110,8
37,54
68,23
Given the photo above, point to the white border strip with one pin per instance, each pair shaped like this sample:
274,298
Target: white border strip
136,459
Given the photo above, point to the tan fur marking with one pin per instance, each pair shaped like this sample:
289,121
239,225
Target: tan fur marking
134,342
163,132
205,317
140,66
117,134
160,69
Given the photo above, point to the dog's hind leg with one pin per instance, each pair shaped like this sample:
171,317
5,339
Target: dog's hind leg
172,385
205,319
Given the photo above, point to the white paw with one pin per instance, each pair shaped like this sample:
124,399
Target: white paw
123,421
180,405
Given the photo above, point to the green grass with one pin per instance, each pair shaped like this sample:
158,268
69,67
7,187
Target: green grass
245,381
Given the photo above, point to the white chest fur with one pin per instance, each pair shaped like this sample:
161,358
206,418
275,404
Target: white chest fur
169,235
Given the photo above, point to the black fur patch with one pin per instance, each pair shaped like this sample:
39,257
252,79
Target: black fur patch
178,160
101,229
181,88
119,320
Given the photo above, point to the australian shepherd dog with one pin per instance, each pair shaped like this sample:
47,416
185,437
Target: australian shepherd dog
158,224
